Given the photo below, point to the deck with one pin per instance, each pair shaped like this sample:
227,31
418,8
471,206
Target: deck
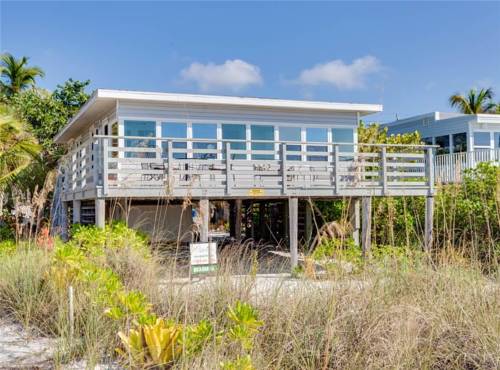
126,166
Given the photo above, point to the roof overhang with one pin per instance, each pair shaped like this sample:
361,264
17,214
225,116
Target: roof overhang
102,101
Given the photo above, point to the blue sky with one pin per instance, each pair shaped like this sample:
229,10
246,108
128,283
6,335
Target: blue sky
407,56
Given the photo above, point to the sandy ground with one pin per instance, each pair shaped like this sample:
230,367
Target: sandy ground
22,350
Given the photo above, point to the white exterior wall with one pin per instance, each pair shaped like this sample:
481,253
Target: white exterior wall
128,110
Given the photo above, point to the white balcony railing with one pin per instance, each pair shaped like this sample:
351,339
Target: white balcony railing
450,168
150,167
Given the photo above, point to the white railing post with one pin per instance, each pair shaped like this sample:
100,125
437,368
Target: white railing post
170,167
105,166
229,175
283,169
430,170
383,169
336,162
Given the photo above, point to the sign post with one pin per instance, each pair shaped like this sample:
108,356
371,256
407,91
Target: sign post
203,257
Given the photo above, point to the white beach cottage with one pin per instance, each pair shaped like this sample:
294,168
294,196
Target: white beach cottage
139,155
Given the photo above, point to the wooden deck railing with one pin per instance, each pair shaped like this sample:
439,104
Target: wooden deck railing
449,168
151,167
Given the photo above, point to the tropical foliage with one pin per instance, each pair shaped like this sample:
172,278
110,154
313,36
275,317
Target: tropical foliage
475,101
15,74
18,147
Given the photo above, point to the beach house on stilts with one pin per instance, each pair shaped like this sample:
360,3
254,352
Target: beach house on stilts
140,155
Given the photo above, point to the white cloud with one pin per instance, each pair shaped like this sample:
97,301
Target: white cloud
340,74
232,75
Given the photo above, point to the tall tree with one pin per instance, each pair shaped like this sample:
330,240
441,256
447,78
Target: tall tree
18,147
475,102
16,75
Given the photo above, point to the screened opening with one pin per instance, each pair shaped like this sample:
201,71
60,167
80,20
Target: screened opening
317,135
343,135
235,132
460,142
142,129
174,130
291,134
205,131
259,132
482,139
444,144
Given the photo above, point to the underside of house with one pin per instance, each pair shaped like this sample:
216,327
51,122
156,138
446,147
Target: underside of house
193,167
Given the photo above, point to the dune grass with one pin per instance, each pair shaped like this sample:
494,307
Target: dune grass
439,315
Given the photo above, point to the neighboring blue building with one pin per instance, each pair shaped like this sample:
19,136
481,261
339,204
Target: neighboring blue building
463,139
453,132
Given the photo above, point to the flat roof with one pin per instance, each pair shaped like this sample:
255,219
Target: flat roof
103,100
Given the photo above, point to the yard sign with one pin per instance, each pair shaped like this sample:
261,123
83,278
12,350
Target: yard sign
203,257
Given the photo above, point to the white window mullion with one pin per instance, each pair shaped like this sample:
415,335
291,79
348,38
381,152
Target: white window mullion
303,147
248,138
220,145
189,136
277,145
159,155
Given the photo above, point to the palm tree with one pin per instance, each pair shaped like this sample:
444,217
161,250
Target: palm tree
475,102
16,75
18,147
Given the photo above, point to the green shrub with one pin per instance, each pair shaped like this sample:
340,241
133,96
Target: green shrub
6,233
95,241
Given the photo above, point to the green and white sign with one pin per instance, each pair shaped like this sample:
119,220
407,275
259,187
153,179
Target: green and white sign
203,257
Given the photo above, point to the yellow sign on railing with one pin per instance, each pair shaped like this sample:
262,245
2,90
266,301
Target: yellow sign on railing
256,192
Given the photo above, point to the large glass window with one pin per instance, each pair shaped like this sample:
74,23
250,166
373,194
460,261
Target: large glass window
427,140
482,139
142,129
266,133
175,130
497,140
460,142
343,135
291,134
235,132
317,135
444,144
204,131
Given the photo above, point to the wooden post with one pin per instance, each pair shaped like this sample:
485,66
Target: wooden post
355,219
383,169
105,166
336,163
71,313
429,222
366,230
205,219
237,219
283,169
309,221
262,220
229,175
430,170
100,212
77,205
293,210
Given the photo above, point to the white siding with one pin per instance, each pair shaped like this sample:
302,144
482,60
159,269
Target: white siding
128,110
432,128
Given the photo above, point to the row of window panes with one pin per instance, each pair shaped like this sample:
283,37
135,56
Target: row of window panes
262,138
481,140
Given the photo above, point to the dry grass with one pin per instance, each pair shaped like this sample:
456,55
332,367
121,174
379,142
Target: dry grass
440,317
